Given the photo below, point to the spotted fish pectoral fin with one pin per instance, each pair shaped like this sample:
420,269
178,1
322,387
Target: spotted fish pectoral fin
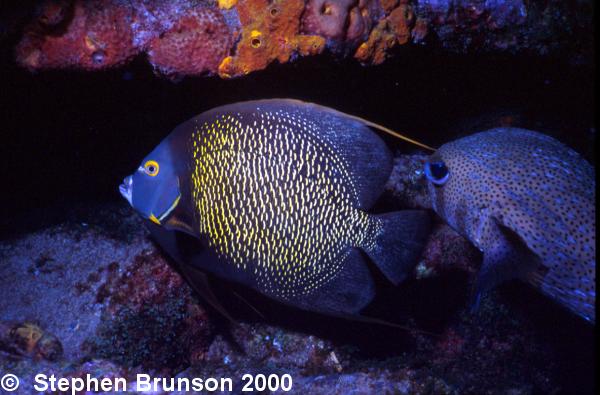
184,257
508,258
347,293
399,243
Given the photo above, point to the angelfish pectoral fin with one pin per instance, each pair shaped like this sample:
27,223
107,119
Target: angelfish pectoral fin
174,223
181,219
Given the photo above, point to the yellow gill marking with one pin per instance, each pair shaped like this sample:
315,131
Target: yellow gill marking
170,209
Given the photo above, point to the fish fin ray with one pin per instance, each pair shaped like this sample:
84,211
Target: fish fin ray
250,305
378,321
399,243
198,280
509,258
366,158
347,293
364,121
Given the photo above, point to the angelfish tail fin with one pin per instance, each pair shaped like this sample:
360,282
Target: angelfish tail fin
399,241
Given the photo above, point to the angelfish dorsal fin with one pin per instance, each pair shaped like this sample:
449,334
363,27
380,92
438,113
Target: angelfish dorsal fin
355,118
391,132
379,127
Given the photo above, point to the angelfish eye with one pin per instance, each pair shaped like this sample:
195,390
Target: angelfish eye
151,168
437,172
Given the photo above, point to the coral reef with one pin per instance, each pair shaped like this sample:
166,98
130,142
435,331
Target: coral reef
96,36
233,38
502,25
180,37
392,30
343,23
196,44
270,31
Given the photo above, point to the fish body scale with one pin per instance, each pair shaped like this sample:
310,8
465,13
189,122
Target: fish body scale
276,200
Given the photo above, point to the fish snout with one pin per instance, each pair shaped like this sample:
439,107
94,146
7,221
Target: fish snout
126,189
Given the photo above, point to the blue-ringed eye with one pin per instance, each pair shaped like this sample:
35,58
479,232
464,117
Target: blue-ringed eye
437,172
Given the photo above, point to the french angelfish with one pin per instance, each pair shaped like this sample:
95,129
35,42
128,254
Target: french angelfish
277,193
528,203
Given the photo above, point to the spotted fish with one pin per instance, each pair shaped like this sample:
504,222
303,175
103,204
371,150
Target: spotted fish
528,203
277,192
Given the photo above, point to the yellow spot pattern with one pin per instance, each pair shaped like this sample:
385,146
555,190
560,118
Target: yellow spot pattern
276,200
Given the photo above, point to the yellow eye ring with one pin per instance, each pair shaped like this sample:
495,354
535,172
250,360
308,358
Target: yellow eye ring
151,168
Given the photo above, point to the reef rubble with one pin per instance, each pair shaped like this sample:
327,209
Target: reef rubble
232,38
93,295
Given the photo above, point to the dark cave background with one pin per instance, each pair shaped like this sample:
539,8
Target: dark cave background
70,137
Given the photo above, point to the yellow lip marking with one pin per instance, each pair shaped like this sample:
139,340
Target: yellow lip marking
154,219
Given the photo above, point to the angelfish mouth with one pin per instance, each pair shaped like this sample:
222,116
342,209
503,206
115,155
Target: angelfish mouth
126,190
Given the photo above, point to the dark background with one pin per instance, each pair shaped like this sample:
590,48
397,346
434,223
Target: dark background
70,137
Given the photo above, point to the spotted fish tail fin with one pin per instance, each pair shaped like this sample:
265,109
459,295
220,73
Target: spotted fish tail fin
398,243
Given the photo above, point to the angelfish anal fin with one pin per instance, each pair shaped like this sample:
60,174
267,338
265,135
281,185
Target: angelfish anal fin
506,259
347,293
